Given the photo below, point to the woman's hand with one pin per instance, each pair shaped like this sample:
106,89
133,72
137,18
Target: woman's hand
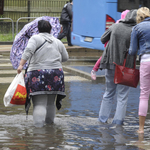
19,69
22,62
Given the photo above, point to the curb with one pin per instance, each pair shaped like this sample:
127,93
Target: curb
100,78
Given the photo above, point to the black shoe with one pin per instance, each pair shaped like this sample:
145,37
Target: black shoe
70,45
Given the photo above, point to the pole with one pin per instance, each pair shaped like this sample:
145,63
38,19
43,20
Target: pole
28,10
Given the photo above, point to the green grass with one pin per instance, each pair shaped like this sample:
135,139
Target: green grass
64,40
9,38
6,37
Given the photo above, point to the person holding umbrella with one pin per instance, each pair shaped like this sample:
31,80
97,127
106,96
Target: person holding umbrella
21,39
44,78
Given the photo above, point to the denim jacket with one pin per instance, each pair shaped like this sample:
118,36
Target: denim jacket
140,38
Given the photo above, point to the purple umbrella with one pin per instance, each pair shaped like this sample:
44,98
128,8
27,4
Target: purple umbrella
23,36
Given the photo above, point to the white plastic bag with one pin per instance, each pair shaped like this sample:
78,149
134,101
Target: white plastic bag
16,92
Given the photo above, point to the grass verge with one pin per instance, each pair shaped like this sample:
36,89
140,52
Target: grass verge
9,38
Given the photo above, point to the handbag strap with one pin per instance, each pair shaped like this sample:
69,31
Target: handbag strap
34,53
124,62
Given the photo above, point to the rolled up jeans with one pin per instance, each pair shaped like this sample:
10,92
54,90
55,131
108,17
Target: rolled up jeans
108,98
43,109
145,88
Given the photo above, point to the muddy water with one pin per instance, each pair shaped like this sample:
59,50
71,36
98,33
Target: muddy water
76,126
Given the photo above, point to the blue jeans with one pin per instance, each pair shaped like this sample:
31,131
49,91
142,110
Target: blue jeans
108,97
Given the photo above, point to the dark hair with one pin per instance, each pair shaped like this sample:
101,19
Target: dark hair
71,1
44,26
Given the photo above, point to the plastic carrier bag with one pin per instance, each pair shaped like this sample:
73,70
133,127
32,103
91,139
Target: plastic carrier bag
16,93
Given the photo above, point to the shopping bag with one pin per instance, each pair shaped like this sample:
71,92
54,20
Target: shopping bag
16,93
126,76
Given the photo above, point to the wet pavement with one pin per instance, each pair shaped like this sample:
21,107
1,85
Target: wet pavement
76,125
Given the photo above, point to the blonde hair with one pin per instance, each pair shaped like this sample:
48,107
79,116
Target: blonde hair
142,13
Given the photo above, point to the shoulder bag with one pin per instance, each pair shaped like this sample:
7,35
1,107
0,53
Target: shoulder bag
126,76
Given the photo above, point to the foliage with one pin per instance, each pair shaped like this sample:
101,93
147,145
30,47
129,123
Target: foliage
9,38
1,16
6,38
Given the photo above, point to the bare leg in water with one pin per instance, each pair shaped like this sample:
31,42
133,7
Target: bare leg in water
141,124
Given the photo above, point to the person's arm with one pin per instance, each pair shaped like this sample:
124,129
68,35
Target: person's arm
63,52
133,43
22,62
97,64
28,52
30,48
106,36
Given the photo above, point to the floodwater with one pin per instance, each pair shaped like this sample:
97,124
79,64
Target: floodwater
76,126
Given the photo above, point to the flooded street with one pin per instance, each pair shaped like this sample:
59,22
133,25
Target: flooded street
76,126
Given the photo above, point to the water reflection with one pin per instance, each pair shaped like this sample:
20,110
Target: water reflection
20,134
141,143
76,126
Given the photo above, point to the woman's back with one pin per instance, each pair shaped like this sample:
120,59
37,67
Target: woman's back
49,56
143,34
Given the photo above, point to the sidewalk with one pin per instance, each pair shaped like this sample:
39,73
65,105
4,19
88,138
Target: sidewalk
5,47
78,56
7,73
73,51
8,47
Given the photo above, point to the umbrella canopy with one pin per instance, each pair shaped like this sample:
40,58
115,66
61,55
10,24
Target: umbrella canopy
23,36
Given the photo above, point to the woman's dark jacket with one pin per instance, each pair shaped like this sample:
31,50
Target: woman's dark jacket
118,36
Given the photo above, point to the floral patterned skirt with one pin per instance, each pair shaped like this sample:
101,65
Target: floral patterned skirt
46,81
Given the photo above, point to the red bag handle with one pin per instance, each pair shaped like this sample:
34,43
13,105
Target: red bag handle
124,62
